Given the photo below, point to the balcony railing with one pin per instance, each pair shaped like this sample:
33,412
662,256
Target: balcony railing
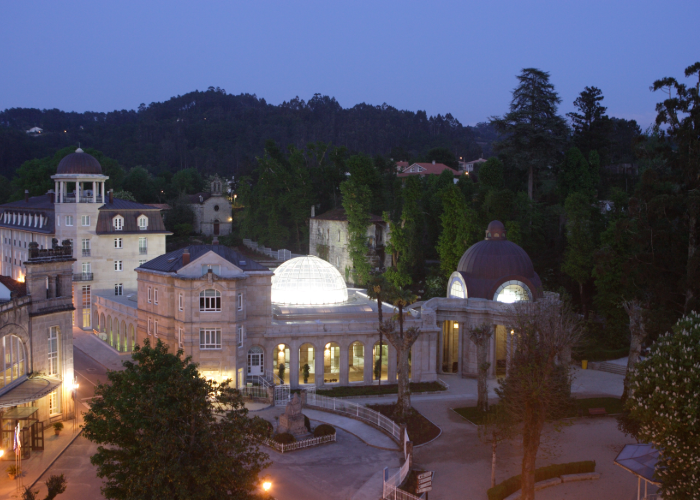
70,198
82,277
86,252
143,251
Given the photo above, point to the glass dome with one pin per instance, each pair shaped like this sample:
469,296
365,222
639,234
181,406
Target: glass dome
513,291
308,281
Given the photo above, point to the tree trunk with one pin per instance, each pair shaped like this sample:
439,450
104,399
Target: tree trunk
530,181
494,444
531,443
637,336
379,309
403,402
583,301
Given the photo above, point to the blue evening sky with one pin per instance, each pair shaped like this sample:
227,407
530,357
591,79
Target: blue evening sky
458,57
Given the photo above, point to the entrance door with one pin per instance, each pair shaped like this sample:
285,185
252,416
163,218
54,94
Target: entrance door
255,361
37,436
216,227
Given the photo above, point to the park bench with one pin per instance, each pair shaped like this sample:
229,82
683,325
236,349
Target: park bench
596,412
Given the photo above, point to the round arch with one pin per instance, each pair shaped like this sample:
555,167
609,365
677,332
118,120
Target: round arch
384,370
307,364
14,355
282,359
512,291
331,363
356,362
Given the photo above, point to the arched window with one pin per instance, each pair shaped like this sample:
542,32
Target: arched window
118,222
356,362
331,363
143,223
457,290
13,360
282,359
383,368
307,364
209,300
512,291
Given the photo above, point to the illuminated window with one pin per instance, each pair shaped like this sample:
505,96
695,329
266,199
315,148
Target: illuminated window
54,403
457,290
209,300
53,351
513,291
13,360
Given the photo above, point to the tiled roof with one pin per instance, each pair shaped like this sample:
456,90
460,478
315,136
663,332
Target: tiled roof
428,169
172,261
339,215
37,205
194,198
160,206
118,204
14,285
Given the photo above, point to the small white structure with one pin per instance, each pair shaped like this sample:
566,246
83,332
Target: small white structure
308,281
35,131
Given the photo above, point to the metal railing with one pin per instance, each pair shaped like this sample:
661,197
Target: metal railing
255,391
304,443
82,277
391,489
143,250
359,412
86,252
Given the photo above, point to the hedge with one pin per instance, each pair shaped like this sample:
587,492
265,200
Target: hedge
511,485
324,430
284,438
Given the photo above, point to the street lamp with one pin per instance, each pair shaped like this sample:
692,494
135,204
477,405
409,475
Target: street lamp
267,486
74,389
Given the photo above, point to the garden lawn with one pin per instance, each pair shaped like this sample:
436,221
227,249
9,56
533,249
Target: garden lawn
420,429
375,390
612,406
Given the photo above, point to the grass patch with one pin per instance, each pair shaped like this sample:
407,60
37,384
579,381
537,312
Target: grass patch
375,390
595,353
611,405
420,429
511,485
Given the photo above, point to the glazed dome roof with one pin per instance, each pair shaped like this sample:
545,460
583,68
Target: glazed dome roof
487,264
79,163
308,281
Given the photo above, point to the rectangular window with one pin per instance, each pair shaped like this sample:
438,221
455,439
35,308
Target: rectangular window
149,326
210,338
240,301
149,294
117,243
216,269
240,336
142,262
155,296
119,289
85,220
86,247
54,403
53,351
179,302
155,327
86,296
118,223
87,300
179,337
69,220
87,269
143,223
118,265
143,246
209,300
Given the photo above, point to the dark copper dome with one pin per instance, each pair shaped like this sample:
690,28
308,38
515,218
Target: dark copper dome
79,163
491,262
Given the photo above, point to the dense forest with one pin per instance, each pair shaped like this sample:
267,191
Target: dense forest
213,131
607,212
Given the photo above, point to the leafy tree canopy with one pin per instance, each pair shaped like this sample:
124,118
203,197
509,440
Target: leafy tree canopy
165,432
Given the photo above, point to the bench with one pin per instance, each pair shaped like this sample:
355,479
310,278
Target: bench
597,412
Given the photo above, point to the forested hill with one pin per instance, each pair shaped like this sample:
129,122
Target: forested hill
218,132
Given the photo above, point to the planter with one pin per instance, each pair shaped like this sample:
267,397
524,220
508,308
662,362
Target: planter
57,433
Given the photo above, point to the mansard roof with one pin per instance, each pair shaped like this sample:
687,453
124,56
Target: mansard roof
171,262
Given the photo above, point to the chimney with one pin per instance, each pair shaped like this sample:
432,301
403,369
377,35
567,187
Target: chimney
111,195
215,241
50,195
313,211
186,257
26,195
433,162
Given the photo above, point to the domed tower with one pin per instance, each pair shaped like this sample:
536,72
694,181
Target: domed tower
79,179
495,269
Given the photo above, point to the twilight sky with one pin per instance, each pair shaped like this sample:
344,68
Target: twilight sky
458,57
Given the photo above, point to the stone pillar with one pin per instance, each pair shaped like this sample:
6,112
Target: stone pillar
318,363
392,371
492,354
344,364
460,343
441,339
294,365
55,190
94,192
102,188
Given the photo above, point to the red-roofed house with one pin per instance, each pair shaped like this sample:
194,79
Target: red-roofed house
424,169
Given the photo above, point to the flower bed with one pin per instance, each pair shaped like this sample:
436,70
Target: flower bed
420,429
511,485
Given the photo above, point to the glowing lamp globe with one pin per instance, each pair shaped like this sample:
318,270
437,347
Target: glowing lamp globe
308,281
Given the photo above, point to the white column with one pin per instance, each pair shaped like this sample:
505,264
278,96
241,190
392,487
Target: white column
55,190
94,192
102,184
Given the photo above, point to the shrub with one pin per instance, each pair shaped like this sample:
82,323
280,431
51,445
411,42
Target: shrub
284,438
324,430
12,470
58,426
511,485
307,423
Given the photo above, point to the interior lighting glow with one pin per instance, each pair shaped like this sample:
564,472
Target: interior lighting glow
267,485
308,281
456,325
